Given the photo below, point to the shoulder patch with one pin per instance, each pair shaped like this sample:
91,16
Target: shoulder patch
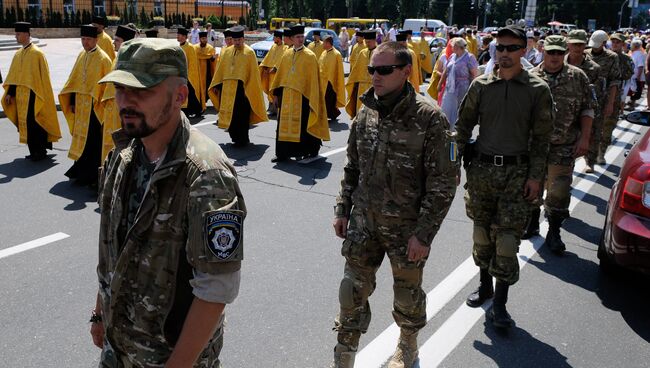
223,233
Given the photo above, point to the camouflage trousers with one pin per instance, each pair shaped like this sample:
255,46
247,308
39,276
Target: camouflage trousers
495,202
606,135
559,177
209,358
364,250
594,142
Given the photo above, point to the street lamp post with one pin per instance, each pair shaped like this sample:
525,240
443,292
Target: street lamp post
620,14
451,12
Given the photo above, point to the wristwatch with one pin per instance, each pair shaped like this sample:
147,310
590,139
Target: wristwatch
95,318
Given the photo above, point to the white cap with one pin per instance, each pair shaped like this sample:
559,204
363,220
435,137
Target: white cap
530,34
597,39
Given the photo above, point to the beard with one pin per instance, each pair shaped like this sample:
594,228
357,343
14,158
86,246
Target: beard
142,128
505,62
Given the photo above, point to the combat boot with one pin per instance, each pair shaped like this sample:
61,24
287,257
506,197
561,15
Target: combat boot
484,291
553,240
589,168
343,357
498,314
407,351
533,224
600,160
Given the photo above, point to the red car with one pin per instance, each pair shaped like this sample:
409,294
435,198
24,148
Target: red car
625,240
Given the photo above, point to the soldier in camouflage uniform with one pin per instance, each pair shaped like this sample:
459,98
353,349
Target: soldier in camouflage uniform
398,184
514,111
627,71
610,74
170,243
574,104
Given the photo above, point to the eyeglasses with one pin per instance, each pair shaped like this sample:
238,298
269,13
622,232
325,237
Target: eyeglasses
383,69
555,52
509,48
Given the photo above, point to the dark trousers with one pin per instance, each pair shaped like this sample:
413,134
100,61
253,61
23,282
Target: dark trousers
330,103
86,168
240,122
193,104
36,135
308,145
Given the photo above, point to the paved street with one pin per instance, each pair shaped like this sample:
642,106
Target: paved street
568,314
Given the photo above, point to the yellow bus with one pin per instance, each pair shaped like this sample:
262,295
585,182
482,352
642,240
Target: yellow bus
279,23
335,24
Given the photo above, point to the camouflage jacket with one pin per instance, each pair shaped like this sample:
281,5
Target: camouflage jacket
515,117
143,275
627,66
573,99
401,167
592,70
610,71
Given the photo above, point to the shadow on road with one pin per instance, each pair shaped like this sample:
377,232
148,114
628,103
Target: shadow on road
336,126
518,348
242,156
22,168
79,195
308,173
569,268
582,229
628,293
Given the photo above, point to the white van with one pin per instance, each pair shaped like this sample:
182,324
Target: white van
416,24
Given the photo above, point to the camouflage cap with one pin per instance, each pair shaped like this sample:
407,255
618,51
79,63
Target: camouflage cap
577,36
618,36
145,62
555,42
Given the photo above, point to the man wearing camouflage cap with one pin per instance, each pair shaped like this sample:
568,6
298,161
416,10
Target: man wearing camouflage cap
574,104
610,75
170,242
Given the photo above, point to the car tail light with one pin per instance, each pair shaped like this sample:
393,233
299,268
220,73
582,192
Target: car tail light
636,192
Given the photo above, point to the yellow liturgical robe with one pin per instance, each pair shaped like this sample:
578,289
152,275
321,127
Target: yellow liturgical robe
317,48
359,81
193,75
29,72
111,117
105,43
354,55
82,91
426,59
234,66
298,76
270,61
207,57
416,76
331,71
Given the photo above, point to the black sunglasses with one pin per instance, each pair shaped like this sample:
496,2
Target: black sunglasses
384,69
555,52
509,48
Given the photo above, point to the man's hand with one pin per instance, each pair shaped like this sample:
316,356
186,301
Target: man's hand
531,189
581,147
97,332
341,226
9,99
416,250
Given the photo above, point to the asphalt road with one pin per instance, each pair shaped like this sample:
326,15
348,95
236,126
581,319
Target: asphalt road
568,314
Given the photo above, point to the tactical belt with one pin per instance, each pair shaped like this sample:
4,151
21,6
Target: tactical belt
500,160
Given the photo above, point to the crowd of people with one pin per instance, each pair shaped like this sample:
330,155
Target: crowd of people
540,102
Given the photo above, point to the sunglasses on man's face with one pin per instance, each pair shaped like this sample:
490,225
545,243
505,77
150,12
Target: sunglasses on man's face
509,48
384,69
555,52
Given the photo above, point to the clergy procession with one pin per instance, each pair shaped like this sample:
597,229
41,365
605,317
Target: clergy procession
474,151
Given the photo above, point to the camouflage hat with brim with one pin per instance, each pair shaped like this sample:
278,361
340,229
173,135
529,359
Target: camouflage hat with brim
577,36
145,62
618,36
555,42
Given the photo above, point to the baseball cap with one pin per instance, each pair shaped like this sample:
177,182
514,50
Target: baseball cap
577,36
555,42
598,38
514,31
145,62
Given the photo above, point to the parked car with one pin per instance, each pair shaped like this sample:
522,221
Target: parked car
625,240
261,48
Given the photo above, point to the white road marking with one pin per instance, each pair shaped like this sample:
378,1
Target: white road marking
32,244
323,155
451,333
204,124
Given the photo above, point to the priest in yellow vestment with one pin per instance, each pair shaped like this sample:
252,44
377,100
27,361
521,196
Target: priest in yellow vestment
332,79
426,59
269,66
196,99
359,80
81,103
357,47
28,101
415,77
236,90
208,59
104,41
111,119
302,119
316,46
